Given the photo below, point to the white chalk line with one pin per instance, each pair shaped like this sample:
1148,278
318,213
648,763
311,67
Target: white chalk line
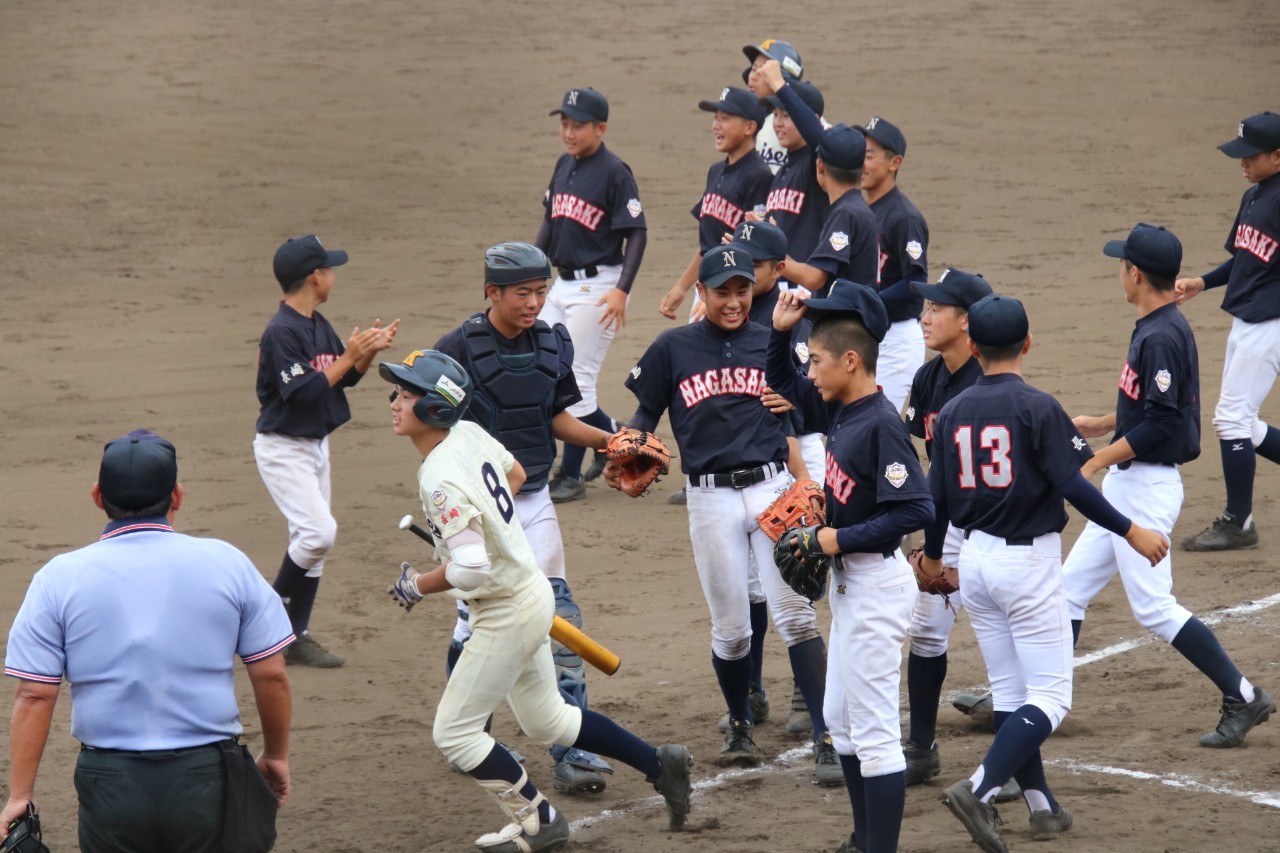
785,759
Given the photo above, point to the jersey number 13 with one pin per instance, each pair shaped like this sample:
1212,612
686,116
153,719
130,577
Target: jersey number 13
998,472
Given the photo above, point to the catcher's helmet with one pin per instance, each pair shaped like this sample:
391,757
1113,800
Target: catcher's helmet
512,263
443,383
786,55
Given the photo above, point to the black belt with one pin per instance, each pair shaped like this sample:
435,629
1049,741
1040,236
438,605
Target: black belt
1013,541
568,273
84,747
739,479
1124,466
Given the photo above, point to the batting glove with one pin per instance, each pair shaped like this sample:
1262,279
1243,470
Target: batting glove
405,591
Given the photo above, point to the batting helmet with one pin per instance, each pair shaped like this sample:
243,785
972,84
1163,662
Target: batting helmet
443,383
512,263
786,55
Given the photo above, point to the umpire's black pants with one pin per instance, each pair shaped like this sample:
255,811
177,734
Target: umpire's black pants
167,801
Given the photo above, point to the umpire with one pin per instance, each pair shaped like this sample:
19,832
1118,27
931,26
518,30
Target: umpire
145,623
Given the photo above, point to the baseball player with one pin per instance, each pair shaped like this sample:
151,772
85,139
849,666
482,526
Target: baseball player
709,375
1013,455
875,495
904,249
735,185
303,373
945,323
1252,279
523,386
771,149
593,230
1156,428
466,483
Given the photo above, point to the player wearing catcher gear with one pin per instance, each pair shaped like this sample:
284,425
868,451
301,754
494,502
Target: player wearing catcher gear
466,482
1156,428
1011,456
1252,279
303,373
945,323
903,257
524,386
875,495
735,185
709,375
591,210
772,151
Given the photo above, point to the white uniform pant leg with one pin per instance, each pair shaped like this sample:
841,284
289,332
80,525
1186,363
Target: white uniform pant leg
793,615
296,474
931,618
575,306
541,525
871,599
508,657
1018,608
717,531
1248,374
901,354
813,448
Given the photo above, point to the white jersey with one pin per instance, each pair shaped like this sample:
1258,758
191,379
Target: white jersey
771,151
465,478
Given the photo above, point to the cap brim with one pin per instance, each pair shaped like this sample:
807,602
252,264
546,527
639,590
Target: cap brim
575,114
753,50
1238,148
722,107
720,278
334,258
1114,249
756,251
935,294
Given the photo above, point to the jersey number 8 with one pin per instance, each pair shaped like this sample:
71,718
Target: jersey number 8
500,495
998,474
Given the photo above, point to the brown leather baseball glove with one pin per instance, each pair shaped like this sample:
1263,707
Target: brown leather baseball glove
803,504
944,584
636,460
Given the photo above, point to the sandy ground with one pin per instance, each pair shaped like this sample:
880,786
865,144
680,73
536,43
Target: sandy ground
155,154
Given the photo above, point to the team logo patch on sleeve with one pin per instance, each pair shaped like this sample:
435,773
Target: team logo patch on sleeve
635,372
802,351
1163,380
450,390
911,413
1078,443
915,250
634,208
839,241
896,474
438,498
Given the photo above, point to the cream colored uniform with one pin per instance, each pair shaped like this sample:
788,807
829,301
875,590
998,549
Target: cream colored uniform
509,654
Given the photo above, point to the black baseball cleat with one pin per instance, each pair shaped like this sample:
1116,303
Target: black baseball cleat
1046,825
922,764
1224,534
565,489
979,818
1238,718
598,461
739,749
674,784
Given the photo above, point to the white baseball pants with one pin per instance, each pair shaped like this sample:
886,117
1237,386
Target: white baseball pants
901,354
1249,372
931,618
573,303
296,474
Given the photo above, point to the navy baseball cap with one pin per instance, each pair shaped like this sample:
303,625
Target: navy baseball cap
299,257
997,321
1257,134
736,101
848,297
955,287
887,134
583,105
786,55
1151,248
843,147
138,470
808,93
724,262
764,241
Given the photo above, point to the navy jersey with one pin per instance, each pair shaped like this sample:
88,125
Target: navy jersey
932,388
732,190
904,251
1252,292
848,247
591,204
711,381
762,305
294,395
1160,385
1003,451
797,204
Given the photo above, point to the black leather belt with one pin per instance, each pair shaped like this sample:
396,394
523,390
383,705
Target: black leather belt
739,479
569,273
1013,541
1124,466
84,747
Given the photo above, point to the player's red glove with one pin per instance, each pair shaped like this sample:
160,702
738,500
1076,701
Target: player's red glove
636,460
944,584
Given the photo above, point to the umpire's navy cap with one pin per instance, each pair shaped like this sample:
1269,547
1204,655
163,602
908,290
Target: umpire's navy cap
786,55
808,93
138,470
997,321
843,147
583,105
1151,248
955,287
725,262
887,134
299,257
848,297
737,101
763,240
1257,134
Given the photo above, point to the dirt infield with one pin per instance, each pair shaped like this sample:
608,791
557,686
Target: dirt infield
154,155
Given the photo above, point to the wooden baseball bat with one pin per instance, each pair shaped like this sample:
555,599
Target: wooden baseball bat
562,630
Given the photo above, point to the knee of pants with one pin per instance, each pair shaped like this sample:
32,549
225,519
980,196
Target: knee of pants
464,748
312,543
1233,419
731,649
561,727
1162,619
882,759
928,646
930,627
795,619
1054,707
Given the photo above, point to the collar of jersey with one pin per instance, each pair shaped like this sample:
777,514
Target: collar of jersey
1000,377
136,525
1159,312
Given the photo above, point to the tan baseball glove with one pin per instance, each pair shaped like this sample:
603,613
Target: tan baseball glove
944,584
636,460
803,504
